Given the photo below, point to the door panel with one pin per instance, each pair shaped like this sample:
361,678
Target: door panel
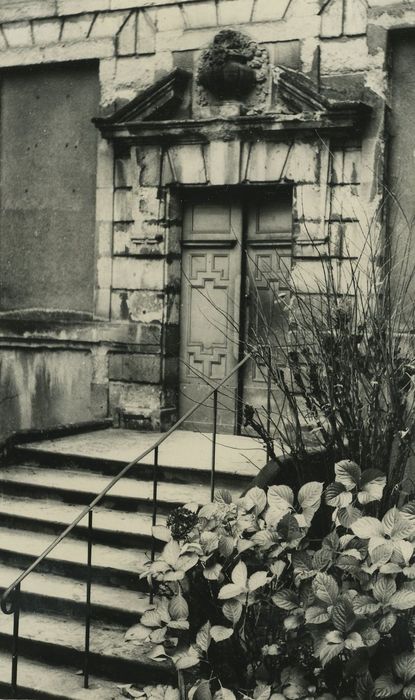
211,263
268,251
218,255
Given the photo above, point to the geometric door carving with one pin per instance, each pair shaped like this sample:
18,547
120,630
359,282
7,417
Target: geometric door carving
215,252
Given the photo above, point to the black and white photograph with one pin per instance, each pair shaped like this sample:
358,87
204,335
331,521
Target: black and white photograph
207,349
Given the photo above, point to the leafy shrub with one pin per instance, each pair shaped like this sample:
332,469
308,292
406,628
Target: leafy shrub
256,606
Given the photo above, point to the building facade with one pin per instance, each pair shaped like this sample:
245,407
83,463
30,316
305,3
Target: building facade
150,153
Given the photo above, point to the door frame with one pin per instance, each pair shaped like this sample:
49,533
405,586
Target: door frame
244,193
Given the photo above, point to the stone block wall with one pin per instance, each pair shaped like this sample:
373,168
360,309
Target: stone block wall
340,44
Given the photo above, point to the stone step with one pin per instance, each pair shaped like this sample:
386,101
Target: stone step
39,681
54,593
110,526
74,486
110,565
237,457
61,640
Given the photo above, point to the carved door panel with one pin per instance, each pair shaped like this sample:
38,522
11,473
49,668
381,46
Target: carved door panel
268,262
211,279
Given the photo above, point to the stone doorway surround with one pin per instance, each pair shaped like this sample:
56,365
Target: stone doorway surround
274,127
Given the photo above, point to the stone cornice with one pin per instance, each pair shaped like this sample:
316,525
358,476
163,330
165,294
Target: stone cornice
304,110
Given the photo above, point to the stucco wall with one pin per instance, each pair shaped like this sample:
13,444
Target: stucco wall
340,44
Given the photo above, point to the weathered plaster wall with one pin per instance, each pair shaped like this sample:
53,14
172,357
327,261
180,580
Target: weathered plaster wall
341,44
41,387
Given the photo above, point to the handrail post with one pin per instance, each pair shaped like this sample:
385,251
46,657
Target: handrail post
269,387
215,425
154,515
88,601
15,648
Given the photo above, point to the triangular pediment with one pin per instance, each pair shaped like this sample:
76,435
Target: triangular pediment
161,112
158,102
297,93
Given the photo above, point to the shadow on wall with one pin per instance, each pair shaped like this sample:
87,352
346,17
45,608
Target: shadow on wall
43,388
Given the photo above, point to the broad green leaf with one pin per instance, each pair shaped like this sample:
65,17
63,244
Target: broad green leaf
353,641
178,625
322,558
209,511
174,575
137,632
243,545
348,515
347,473
403,600
171,553
390,519
203,637
158,653
364,686
186,661
390,568
329,650
315,615
382,553
404,666
232,610
286,599
223,496
239,575
367,527
209,542
263,539
178,607
158,635
292,622
280,497
385,686
372,484
343,615
337,496
309,495
171,693
387,622
403,551
383,589
226,545
257,580
224,694
325,588
409,571
365,605
302,561
370,636
230,590
187,561
151,618
212,573
255,498
262,692
277,568
201,692
289,529
161,532
219,633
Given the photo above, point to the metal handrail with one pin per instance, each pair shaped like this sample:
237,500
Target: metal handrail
10,600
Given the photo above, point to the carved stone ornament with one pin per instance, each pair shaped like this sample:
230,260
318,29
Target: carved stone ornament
233,66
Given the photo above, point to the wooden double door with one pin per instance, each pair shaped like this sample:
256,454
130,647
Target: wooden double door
236,251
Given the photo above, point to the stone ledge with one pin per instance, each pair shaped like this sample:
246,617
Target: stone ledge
56,53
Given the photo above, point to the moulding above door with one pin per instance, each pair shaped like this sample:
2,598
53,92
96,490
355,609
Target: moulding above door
299,107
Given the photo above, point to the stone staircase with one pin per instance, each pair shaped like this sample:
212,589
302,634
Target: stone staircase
43,487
